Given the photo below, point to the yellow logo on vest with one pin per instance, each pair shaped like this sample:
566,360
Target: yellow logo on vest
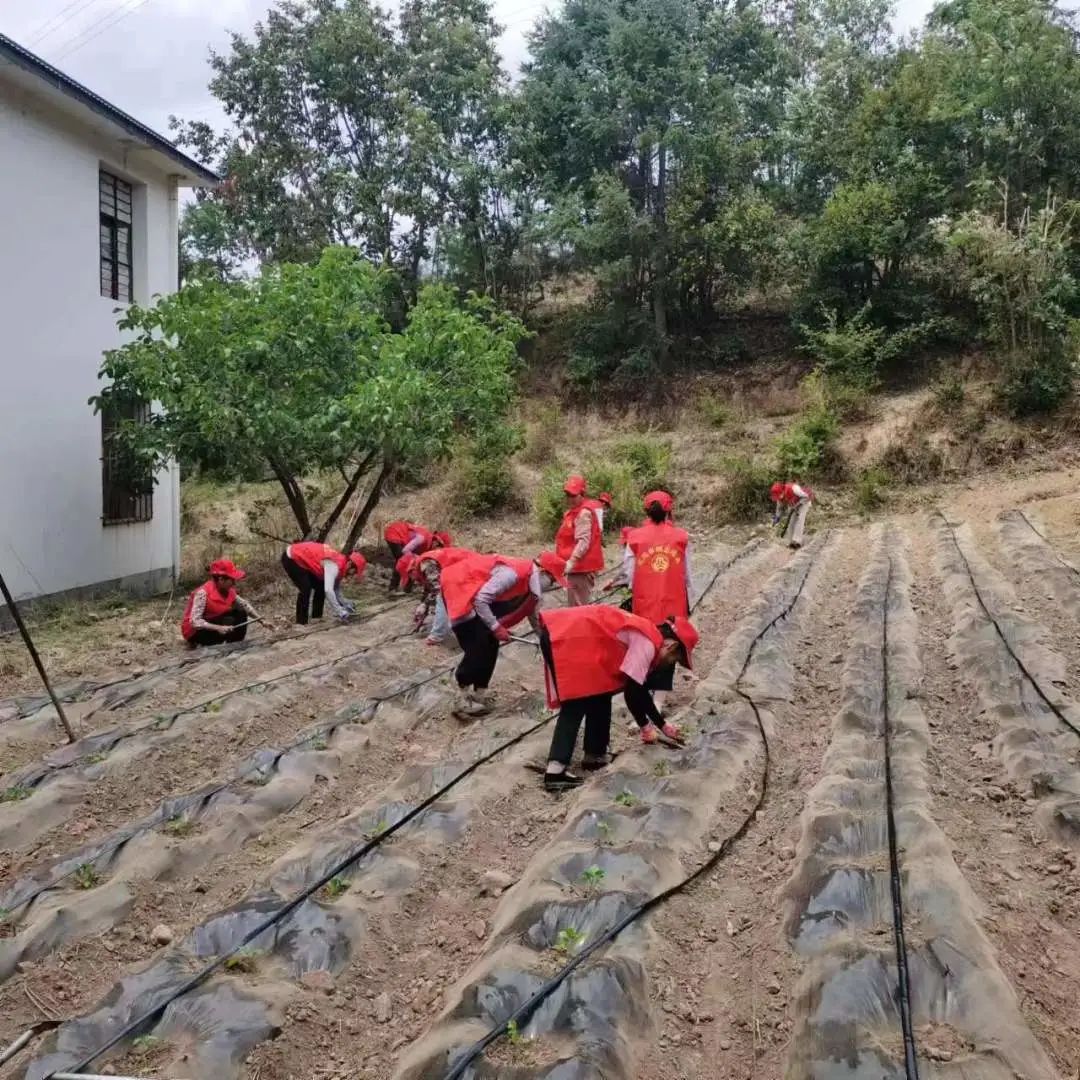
660,558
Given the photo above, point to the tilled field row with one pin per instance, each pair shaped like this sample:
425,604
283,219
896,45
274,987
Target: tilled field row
898,979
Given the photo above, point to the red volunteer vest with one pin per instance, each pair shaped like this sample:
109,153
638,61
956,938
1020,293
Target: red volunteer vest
465,578
790,498
593,559
585,652
400,532
310,555
659,571
216,606
446,556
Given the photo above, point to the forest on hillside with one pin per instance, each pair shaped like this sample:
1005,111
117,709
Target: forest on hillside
681,155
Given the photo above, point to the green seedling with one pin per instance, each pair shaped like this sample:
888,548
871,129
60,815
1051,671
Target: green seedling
145,1044
379,828
569,940
212,707
15,793
661,768
335,887
245,960
513,1034
93,759
86,877
593,876
179,826
626,798
259,778
318,743
603,829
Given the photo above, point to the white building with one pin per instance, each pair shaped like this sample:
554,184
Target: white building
88,221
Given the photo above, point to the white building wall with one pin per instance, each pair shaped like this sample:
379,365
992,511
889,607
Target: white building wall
54,326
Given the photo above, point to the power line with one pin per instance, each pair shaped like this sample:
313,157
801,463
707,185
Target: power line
96,29
51,25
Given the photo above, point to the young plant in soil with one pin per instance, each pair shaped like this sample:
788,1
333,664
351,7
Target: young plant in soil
16,793
179,826
513,1035
94,759
604,832
318,743
568,941
212,707
661,768
335,887
593,877
244,960
378,828
626,798
86,877
147,1044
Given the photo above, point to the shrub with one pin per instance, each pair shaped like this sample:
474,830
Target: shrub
808,445
948,393
542,439
484,480
912,460
745,496
648,459
869,491
848,351
1038,385
602,475
715,411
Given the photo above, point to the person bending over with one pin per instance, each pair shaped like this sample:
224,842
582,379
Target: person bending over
318,572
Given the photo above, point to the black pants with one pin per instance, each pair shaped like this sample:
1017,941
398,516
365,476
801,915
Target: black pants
594,710
235,617
312,590
661,678
481,647
396,551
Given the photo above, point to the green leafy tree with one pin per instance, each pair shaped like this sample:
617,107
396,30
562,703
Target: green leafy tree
300,369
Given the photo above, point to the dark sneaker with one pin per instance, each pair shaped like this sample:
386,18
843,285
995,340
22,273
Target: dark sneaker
563,781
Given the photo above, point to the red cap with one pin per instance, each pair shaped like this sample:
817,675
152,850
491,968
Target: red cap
688,637
226,568
663,498
575,485
553,564
405,567
776,491
443,538
605,498
359,563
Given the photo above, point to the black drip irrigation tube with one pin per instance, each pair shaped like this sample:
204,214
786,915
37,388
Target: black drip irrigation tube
1055,709
1046,540
133,1027
521,1015
184,662
903,973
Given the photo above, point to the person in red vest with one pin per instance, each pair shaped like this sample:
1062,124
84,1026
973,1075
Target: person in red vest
591,654
407,538
579,542
798,497
599,505
425,570
318,571
485,596
656,567
214,612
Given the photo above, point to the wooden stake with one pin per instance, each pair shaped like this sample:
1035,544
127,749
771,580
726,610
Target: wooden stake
28,642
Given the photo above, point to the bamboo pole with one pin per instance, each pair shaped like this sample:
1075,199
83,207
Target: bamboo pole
28,642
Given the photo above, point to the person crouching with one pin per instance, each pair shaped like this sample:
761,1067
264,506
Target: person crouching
214,612
485,597
591,654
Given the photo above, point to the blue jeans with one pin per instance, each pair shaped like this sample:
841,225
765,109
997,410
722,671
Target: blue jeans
440,625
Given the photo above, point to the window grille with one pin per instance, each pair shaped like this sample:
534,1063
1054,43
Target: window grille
127,487
114,202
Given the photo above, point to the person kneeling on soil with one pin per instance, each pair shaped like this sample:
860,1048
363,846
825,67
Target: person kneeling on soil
798,497
318,571
407,538
590,654
426,571
485,597
214,612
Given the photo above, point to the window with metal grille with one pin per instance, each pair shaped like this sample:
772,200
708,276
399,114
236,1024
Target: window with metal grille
114,202
127,488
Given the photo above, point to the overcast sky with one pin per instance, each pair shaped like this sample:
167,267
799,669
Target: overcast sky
149,57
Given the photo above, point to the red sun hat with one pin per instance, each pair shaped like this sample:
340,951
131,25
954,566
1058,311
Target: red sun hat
553,564
406,567
575,485
688,637
776,491
605,498
443,538
359,563
666,502
226,568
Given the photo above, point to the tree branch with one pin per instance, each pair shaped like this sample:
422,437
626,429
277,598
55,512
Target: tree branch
346,495
369,505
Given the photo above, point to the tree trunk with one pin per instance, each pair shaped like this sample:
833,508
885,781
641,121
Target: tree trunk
369,505
346,496
660,271
294,494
